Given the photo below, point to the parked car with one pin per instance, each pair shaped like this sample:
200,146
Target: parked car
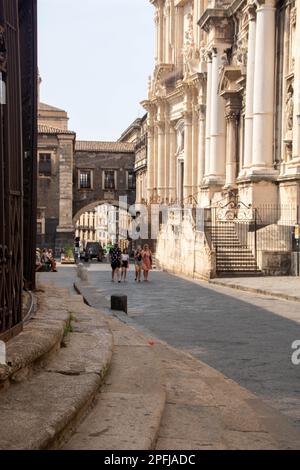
93,250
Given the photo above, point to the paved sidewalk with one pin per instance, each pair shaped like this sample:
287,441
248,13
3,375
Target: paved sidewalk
287,288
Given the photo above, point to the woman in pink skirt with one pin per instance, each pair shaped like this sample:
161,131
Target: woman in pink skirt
146,261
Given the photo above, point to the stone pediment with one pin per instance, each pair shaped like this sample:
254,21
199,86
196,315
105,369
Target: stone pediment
162,71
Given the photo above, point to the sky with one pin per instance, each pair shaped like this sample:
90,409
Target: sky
95,57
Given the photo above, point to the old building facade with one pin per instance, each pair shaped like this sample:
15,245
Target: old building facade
56,145
74,178
224,104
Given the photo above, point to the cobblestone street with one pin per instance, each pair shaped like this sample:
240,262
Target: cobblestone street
246,336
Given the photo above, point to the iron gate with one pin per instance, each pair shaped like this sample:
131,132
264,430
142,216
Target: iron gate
241,233
234,236
12,109
11,168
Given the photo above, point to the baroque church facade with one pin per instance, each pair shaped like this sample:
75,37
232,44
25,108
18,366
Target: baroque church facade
223,129
224,101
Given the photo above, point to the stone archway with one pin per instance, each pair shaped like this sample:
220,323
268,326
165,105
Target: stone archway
104,221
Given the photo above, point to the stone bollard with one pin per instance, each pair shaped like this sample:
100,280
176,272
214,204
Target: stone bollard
119,302
82,272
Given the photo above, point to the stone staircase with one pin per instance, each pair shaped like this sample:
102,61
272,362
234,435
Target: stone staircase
231,254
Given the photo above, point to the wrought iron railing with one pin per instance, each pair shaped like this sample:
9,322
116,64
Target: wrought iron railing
17,119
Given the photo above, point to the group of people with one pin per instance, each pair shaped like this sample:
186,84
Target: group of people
120,263
45,259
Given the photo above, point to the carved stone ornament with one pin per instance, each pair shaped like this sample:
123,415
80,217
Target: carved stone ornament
293,16
190,52
242,54
289,108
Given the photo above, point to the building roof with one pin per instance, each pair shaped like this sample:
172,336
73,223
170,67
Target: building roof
92,146
135,125
45,129
47,107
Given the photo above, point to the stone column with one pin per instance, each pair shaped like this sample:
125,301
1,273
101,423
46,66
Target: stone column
296,120
248,149
201,145
155,176
178,34
166,181
232,118
188,170
65,229
150,161
167,20
172,164
160,158
195,137
264,75
156,21
160,32
217,125
208,114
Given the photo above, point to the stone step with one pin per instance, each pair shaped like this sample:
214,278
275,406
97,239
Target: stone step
40,412
236,262
129,407
231,253
237,269
238,252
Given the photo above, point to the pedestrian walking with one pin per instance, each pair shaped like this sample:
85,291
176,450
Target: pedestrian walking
146,262
138,263
115,260
124,264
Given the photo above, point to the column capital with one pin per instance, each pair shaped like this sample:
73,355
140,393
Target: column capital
266,4
202,111
150,130
250,10
161,125
232,115
188,115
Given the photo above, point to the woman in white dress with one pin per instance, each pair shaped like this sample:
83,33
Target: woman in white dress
124,264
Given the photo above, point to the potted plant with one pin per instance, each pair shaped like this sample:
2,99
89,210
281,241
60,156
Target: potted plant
67,256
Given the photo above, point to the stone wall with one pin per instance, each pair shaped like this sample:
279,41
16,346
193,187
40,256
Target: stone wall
48,192
275,263
98,162
185,252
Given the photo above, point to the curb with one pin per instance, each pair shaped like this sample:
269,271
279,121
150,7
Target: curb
255,290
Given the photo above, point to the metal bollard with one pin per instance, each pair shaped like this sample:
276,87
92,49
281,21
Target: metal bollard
119,302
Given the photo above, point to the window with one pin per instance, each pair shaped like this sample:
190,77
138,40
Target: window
39,227
109,179
131,180
45,164
85,179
